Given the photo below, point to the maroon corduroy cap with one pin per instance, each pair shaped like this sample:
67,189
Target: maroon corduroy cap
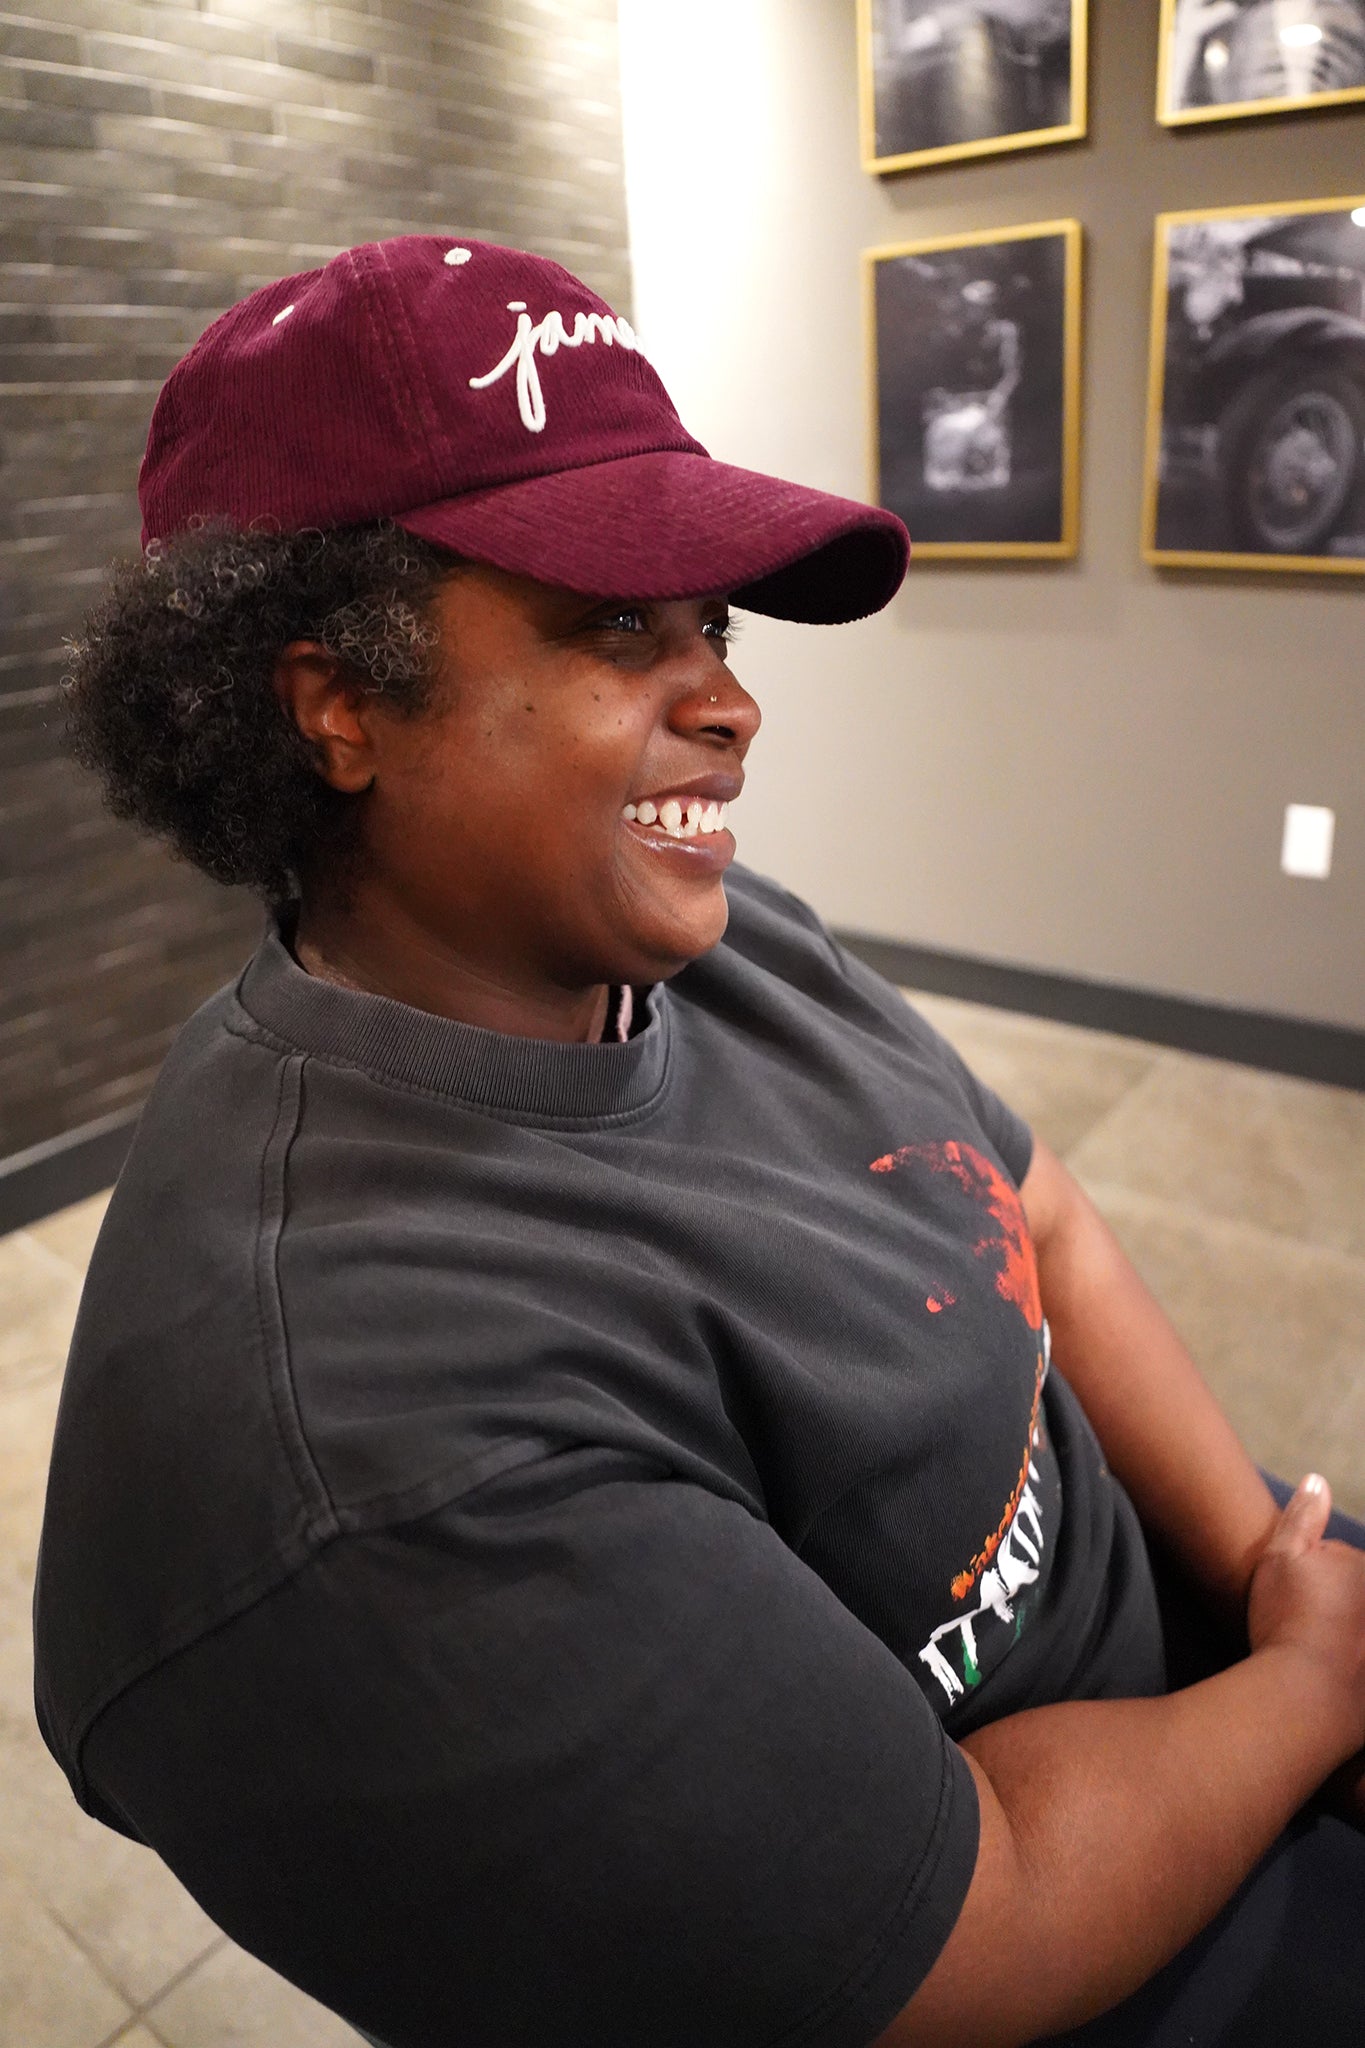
486,400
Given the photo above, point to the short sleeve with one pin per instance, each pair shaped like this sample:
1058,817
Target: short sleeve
588,1756
1005,1128
1002,1126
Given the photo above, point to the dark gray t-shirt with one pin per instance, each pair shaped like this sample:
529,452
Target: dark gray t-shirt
526,1519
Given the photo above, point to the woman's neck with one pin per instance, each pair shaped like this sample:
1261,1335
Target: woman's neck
465,997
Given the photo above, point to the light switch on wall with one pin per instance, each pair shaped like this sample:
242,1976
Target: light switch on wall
1307,848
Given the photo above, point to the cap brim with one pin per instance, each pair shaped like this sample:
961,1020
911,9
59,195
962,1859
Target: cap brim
674,525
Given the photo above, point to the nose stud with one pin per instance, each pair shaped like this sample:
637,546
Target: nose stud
715,700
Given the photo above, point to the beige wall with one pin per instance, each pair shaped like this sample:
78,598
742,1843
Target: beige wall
1080,768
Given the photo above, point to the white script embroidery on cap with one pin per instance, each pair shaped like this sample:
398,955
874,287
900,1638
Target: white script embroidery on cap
548,335
455,257
282,316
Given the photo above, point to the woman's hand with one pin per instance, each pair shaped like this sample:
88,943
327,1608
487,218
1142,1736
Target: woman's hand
1310,1594
1302,1591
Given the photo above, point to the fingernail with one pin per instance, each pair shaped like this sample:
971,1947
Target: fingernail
1314,1483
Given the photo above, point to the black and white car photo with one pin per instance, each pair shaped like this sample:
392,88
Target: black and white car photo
1222,58
947,78
1256,443
975,371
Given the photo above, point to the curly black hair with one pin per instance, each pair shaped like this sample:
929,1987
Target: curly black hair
169,698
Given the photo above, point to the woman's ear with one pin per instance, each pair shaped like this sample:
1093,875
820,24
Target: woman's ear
314,690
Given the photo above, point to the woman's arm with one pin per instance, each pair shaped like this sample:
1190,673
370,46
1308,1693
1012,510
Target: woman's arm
1165,1437
1112,1831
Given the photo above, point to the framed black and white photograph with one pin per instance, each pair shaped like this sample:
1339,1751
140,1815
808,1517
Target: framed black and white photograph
1221,59
1256,422
940,79
975,345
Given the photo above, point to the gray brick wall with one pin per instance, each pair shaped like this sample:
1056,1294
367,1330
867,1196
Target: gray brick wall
157,162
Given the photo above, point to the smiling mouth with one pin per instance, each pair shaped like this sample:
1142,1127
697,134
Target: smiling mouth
678,817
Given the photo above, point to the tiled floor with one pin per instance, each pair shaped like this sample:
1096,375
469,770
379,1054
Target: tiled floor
1239,1195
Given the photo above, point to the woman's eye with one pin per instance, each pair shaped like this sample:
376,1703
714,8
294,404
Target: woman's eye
629,619
634,619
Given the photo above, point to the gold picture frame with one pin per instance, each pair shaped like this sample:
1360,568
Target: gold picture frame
1331,48
1255,439
936,457
974,19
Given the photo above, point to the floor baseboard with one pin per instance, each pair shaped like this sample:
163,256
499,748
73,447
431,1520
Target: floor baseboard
1253,1038
63,1170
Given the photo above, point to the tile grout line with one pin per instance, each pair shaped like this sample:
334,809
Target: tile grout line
141,2012
94,1961
138,2008
125,2029
1187,1213
1110,1109
1160,1061
128,2027
50,1913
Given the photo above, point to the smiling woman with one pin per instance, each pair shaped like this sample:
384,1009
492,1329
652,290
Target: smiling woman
380,621
578,1513
504,882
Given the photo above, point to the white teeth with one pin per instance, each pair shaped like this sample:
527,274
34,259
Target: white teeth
699,817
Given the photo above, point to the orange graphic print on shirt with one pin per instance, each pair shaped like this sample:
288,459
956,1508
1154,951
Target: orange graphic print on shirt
977,1176
1009,1556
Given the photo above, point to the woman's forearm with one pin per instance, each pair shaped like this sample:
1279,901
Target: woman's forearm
1162,1432
1112,1831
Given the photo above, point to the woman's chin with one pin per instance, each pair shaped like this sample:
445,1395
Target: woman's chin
682,933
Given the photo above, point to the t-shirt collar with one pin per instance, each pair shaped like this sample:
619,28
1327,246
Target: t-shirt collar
527,1079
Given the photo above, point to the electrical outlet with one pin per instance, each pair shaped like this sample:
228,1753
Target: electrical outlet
1307,848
